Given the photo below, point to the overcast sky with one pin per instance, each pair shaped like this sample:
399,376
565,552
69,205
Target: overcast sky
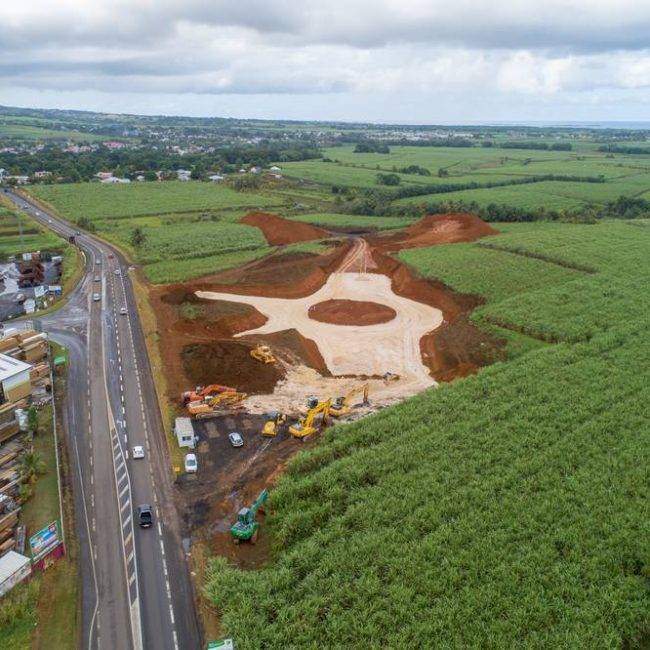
418,61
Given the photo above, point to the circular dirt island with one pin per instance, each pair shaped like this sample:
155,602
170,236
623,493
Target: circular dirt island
351,312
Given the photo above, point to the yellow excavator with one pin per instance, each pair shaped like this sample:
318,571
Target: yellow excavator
263,353
342,405
210,405
305,427
273,424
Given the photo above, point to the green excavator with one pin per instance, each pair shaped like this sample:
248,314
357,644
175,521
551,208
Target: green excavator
246,527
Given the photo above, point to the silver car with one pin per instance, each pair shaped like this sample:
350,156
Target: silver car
235,439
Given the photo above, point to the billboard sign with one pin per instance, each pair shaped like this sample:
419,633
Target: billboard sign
42,542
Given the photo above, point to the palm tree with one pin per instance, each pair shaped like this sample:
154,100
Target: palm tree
31,465
32,420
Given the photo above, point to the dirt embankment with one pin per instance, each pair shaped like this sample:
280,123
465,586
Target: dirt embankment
457,348
279,231
283,275
184,321
224,361
435,229
351,312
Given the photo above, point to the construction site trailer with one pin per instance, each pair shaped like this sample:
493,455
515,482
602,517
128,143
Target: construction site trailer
185,433
14,568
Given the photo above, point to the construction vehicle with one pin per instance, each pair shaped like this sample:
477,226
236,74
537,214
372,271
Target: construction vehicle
246,528
273,424
305,427
201,392
209,405
263,353
342,405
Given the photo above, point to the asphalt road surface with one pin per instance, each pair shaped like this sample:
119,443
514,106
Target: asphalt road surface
136,589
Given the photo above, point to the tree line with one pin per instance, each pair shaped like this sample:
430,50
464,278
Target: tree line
73,167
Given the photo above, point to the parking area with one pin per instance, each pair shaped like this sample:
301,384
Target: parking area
229,478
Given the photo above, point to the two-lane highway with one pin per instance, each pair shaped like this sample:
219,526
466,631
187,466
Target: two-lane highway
111,406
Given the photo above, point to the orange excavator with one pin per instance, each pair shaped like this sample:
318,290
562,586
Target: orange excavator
210,405
203,392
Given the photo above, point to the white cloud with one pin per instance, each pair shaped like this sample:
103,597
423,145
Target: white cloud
409,50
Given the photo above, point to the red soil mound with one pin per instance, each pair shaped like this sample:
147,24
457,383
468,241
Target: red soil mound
436,229
279,231
351,312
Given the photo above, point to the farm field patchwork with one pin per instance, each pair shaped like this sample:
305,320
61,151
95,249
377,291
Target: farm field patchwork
628,175
186,229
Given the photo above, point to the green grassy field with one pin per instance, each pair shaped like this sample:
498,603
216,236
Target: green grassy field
101,201
493,274
14,130
334,220
43,612
190,229
34,237
503,510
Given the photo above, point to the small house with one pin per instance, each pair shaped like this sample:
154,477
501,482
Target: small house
215,178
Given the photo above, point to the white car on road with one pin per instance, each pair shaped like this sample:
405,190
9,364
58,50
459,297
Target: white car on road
138,452
123,311
191,464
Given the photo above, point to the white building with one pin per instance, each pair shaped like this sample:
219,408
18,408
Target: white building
14,379
275,169
216,178
183,174
14,568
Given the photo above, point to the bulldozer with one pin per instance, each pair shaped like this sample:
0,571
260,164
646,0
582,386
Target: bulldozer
262,353
246,528
273,424
201,392
305,427
342,405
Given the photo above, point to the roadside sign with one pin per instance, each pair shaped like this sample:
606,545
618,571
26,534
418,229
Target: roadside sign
42,542
223,644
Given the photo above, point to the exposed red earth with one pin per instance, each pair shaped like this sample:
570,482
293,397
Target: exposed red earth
279,231
351,312
435,229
